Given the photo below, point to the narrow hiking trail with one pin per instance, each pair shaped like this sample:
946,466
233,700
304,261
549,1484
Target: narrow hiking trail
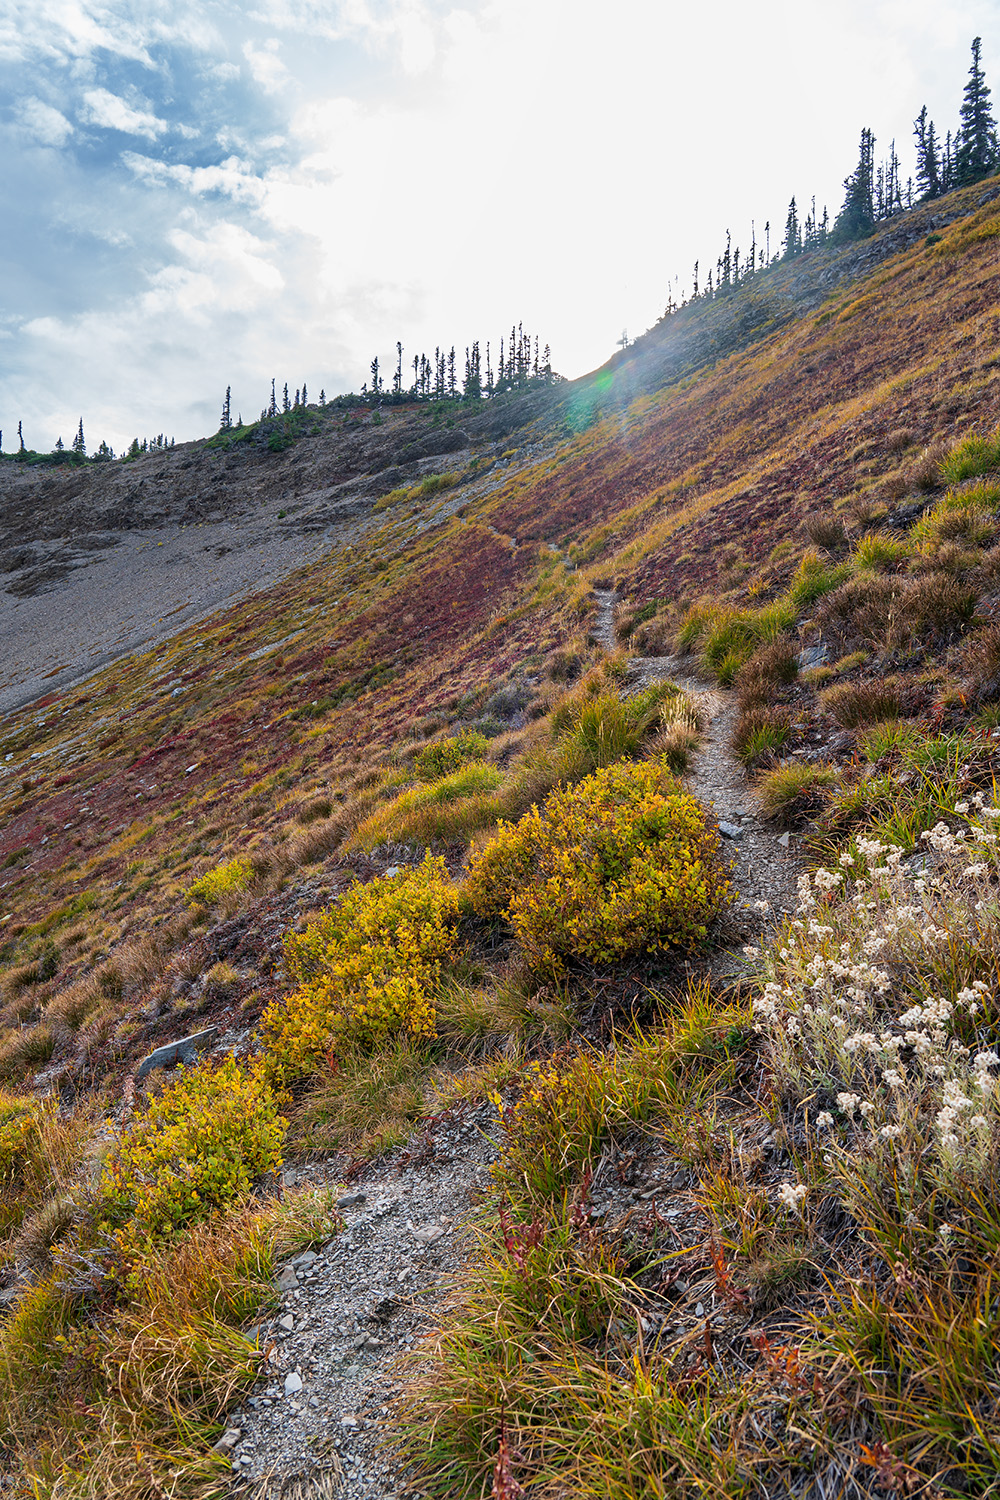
354,1316
764,867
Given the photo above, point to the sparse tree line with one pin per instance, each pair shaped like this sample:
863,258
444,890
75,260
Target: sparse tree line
521,364
76,453
872,193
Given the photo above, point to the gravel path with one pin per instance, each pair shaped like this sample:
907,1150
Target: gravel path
347,1331
765,867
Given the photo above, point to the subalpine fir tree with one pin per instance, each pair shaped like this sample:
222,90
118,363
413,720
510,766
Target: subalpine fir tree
792,244
20,440
856,220
976,154
227,420
928,157
79,446
286,401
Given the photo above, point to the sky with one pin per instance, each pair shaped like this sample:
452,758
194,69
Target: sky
196,195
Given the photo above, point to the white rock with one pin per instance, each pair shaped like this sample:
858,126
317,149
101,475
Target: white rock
293,1383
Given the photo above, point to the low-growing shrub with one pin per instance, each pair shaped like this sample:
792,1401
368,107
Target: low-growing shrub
366,970
225,880
199,1147
623,862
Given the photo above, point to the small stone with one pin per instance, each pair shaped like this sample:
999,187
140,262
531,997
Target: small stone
351,1200
426,1236
730,830
287,1279
293,1383
228,1440
305,1259
348,1421
784,839
287,1322
699,1311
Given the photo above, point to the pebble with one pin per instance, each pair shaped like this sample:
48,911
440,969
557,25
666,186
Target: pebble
293,1383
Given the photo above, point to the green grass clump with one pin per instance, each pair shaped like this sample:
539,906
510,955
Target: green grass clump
874,553
229,879
793,792
729,637
974,455
966,518
444,756
815,577
452,808
623,862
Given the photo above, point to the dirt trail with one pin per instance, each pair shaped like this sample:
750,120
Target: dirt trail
764,868
347,1331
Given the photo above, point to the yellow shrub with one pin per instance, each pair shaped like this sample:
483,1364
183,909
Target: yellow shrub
19,1127
235,875
199,1147
623,862
367,969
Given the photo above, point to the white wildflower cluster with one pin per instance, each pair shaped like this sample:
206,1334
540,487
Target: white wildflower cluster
864,993
792,1197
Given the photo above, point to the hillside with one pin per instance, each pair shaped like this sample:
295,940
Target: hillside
376,783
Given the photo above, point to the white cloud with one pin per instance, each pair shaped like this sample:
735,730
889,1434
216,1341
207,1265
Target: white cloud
233,177
266,66
107,109
68,29
47,126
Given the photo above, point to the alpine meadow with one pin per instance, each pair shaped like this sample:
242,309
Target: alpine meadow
500,968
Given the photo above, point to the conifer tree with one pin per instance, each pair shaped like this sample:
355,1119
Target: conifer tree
397,379
272,410
792,243
79,446
227,420
856,219
286,404
305,395
976,153
928,162
60,445
20,439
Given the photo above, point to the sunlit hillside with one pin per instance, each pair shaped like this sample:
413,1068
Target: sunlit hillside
426,826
